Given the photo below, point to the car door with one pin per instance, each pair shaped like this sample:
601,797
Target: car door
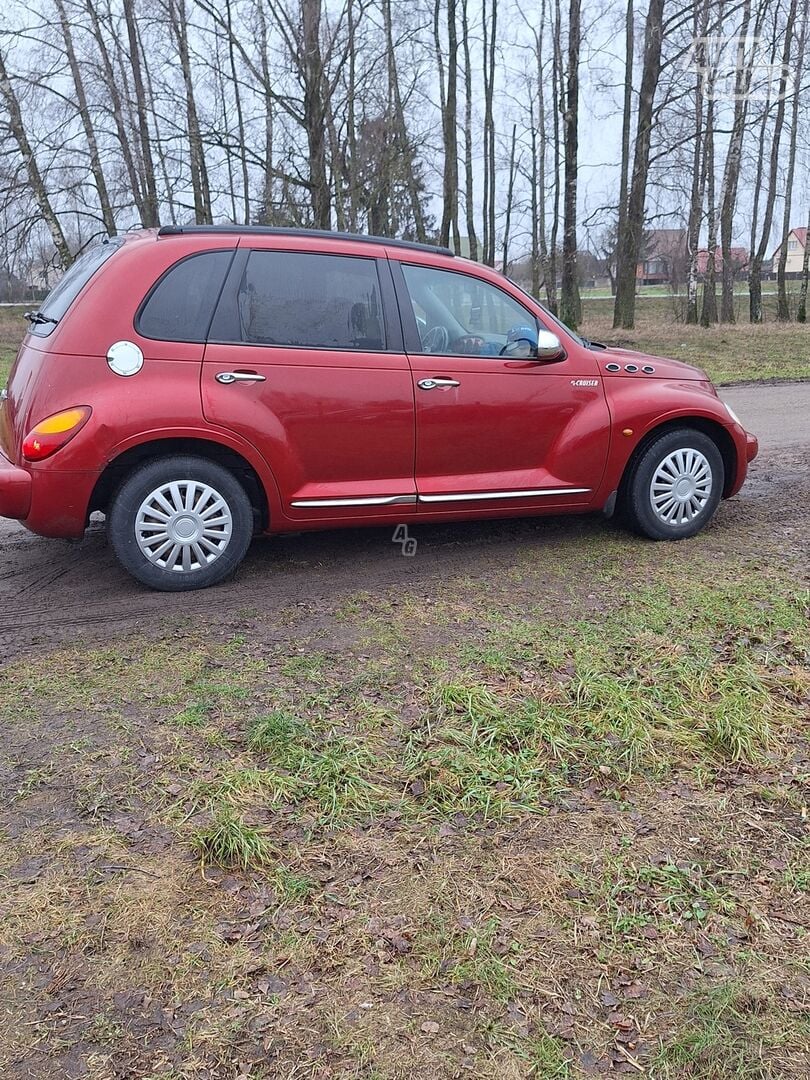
306,362
496,431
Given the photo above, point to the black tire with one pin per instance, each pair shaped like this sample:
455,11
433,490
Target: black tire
232,537
638,508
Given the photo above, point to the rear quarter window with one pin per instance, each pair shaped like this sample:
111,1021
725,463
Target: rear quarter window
71,284
179,307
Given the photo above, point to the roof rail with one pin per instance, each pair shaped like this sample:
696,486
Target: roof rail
325,234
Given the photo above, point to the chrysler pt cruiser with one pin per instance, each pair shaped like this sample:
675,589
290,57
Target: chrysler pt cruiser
202,384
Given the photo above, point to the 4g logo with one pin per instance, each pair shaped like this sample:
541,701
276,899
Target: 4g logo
408,542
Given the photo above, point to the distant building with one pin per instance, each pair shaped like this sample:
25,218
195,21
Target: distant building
796,244
664,258
738,258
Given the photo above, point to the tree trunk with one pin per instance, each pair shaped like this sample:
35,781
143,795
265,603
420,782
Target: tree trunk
240,121
116,106
755,274
449,121
402,139
151,215
35,179
539,187
268,192
556,91
490,24
570,304
178,22
731,172
801,311
469,189
351,124
782,307
708,315
315,113
629,242
701,18
87,122
627,123
509,197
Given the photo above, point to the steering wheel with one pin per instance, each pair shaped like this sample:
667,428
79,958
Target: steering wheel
436,340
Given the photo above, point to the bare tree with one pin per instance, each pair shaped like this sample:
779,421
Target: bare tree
87,120
629,240
469,188
448,96
782,307
731,172
150,211
35,179
570,304
755,269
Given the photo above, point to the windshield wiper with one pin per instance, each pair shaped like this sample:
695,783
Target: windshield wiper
36,318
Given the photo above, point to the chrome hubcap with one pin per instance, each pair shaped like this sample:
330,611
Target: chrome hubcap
681,486
183,526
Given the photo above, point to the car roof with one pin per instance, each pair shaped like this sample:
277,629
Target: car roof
318,234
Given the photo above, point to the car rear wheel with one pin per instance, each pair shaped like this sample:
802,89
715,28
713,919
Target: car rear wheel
675,486
180,523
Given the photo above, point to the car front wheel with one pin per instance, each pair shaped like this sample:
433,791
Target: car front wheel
675,486
180,523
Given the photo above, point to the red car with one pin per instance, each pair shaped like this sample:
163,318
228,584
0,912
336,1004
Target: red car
201,384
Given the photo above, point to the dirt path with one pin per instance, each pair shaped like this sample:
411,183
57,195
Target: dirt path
51,591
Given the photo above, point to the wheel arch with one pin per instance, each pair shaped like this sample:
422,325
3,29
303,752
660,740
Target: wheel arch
714,430
121,465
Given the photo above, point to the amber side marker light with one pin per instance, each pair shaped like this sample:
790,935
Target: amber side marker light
52,433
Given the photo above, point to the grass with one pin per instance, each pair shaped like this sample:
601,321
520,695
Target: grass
727,1036
12,329
737,352
519,831
228,841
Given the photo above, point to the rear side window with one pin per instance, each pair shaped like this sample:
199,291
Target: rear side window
312,301
180,306
71,283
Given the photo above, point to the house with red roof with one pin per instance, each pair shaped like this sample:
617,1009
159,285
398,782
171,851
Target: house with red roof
796,244
738,257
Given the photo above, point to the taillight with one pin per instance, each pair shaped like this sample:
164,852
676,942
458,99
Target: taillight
53,432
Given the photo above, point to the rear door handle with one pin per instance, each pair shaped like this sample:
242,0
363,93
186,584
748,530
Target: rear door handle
239,376
436,382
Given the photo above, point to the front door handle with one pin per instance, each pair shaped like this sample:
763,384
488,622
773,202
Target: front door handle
437,381
239,376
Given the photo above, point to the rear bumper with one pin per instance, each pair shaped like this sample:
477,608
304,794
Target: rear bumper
47,502
15,490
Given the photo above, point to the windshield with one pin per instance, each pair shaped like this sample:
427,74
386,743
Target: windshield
62,295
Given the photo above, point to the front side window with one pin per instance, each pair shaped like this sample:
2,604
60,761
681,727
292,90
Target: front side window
298,299
181,304
62,295
460,315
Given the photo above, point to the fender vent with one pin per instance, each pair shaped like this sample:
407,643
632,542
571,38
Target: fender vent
631,367
613,367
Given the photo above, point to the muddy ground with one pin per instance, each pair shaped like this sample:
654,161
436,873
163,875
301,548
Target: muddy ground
53,591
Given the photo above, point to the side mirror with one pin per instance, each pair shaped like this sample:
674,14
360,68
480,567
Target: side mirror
549,346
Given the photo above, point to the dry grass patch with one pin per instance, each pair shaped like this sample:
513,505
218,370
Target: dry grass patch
735,353
523,842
